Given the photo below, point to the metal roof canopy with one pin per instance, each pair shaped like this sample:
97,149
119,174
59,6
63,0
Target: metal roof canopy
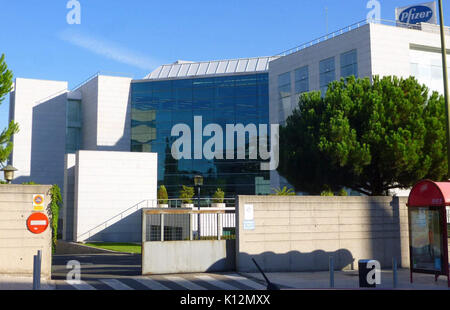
186,69
428,193
428,197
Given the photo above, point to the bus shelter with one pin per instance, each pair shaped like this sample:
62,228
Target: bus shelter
428,236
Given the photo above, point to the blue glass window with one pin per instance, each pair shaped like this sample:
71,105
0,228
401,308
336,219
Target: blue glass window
349,64
302,80
327,74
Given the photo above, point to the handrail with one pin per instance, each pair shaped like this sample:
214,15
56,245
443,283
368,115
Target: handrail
120,214
145,204
345,30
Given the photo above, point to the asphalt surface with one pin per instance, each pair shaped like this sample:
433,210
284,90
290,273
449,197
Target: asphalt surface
123,272
98,265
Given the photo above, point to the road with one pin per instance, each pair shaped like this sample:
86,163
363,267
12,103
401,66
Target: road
123,272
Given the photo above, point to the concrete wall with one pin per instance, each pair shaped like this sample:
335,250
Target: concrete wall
17,244
89,111
188,256
300,233
107,184
358,39
114,114
68,196
39,107
106,114
390,47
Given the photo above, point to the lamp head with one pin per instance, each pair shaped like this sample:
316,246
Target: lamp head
198,180
9,173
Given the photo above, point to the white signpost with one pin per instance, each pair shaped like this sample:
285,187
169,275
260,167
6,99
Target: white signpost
249,218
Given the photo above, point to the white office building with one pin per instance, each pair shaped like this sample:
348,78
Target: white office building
363,50
61,130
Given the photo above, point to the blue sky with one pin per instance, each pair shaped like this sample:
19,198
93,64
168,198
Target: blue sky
135,36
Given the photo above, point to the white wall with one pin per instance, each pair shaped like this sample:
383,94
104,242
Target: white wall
39,107
358,39
68,196
106,114
108,183
114,114
390,48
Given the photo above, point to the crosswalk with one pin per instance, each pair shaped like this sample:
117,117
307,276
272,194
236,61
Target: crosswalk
167,282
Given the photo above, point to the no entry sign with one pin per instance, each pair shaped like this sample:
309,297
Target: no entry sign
37,223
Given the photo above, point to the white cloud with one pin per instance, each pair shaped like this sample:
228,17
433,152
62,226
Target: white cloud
108,49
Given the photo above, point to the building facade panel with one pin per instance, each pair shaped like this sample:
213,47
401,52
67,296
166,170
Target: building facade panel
38,106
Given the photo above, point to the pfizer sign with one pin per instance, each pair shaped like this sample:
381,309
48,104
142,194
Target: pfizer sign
422,13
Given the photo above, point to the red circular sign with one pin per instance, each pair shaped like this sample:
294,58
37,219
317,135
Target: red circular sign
37,223
38,200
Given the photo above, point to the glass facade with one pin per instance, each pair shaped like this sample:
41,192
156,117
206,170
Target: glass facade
349,64
327,74
284,90
73,129
302,80
157,106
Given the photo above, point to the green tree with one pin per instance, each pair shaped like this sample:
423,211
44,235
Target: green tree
6,80
186,194
163,198
367,136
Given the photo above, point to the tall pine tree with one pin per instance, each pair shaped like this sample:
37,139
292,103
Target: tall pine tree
370,136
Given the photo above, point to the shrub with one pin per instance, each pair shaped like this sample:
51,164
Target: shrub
219,196
55,205
342,192
186,194
327,191
163,198
284,191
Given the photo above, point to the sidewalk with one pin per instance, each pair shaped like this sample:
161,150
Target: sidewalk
21,283
350,280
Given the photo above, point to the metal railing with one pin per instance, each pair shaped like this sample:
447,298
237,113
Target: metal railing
229,203
118,217
348,29
188,224
204,203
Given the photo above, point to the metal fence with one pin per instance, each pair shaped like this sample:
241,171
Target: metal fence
348,29
204,203
188,224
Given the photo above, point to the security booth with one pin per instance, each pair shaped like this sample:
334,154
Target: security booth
428,238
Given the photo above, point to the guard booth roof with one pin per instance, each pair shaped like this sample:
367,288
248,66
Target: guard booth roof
427,193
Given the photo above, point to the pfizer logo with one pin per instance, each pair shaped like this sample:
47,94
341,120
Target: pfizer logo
416,14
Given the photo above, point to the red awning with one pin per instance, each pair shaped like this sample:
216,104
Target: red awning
427,193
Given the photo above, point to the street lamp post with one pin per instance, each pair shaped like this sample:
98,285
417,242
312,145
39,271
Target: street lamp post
198,181
445,71
9,173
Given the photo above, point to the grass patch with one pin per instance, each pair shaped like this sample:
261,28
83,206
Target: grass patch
118,247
